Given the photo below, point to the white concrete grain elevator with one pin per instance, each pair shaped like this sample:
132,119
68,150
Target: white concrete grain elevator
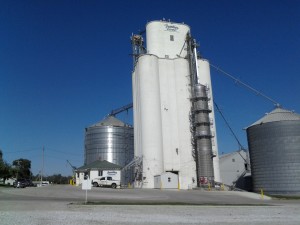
174,122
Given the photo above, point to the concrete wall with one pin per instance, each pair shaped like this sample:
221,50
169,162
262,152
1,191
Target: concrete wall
161,119
166,39
161,104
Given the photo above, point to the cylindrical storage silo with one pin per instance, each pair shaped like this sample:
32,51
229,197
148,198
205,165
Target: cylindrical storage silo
203,136
203,131
187,173
200,105
110,140
150,118
205,79
206,164
201,118
274,146
166,39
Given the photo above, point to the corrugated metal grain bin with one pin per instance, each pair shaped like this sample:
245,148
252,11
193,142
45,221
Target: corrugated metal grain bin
111,140
274,146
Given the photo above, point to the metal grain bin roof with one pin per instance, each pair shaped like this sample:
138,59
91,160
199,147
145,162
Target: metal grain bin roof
276,115
110,121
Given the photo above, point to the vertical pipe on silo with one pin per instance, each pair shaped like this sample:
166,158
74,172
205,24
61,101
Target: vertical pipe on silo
205,79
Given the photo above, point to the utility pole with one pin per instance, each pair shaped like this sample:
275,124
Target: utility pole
18,168
42,165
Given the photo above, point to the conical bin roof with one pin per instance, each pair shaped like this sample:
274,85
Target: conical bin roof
276,115
110,121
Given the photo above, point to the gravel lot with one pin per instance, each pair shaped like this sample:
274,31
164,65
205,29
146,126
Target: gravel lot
65,205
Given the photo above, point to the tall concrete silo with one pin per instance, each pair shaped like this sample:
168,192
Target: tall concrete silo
274,146
109,139
164,75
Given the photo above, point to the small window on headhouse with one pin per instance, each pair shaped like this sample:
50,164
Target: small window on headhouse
169,179
233,160
171,37
100,173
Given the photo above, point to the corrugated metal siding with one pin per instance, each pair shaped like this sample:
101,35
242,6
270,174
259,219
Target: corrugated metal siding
114,144
275,156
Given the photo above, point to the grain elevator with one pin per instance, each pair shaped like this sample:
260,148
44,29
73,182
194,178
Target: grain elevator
174,122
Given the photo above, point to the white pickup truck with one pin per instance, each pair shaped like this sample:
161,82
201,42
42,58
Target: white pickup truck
105,182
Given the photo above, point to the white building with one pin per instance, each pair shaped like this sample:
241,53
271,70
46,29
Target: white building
166,180
8,181
235,169
161,103
98,169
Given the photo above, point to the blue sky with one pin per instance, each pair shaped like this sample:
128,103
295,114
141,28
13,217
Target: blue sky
64,65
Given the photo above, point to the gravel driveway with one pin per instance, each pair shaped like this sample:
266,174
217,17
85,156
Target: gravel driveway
65,205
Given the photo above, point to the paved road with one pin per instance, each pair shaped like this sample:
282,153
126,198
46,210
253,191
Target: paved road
65,205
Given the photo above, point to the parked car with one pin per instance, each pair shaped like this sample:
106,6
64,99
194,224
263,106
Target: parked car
29,183
105,182
19,183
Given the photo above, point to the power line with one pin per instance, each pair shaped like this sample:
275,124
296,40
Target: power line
62,152
229,127
246,85
232,132
28,150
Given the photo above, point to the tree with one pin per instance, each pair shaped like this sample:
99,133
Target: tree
5,168
58,179
54,179
22,167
